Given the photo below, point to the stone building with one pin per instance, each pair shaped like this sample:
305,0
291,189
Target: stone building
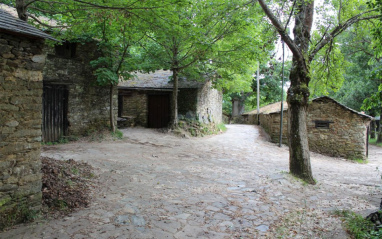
333,129
72,102
21,61
146,100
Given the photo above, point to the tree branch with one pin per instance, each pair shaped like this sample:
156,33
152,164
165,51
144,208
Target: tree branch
338,30
281,30
44,24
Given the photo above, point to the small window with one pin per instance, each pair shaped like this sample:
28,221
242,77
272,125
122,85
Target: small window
322,124
66,50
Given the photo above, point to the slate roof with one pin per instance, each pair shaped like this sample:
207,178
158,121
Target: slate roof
276,107
343,106
11,24
157,80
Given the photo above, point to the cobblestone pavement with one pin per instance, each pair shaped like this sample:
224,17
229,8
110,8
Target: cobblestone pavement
233,185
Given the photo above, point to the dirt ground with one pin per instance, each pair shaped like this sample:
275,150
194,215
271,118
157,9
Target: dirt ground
232,185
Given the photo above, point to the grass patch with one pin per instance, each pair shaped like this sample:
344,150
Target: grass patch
62,140
374,142
360,161
117,134
195,128
357,226
222,127
19,213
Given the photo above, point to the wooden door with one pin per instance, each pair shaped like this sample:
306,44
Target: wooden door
159,111
54,112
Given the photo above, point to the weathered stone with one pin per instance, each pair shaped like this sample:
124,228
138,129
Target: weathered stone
345,137
201,103
88,104
5,49
7,107
39,59
20,93
12,123
8,55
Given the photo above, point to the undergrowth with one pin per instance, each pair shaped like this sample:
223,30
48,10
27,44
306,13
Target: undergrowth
196,128
357,226
374,142
19,213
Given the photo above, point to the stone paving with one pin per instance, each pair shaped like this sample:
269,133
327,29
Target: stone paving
233,185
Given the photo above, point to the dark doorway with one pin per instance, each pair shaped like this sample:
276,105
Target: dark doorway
159,111
54,112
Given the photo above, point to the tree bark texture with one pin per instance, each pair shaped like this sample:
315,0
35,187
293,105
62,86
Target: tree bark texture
372,129
21,9
379,130
298,95
174,113
112,125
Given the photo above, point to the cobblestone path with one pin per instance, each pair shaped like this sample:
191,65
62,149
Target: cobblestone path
233,185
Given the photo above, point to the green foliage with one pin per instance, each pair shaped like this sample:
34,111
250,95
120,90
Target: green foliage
374,142
270,87
327,71
359,160
196,128
222,127
18,213
62,140
117,134
374,102
358,226
360,76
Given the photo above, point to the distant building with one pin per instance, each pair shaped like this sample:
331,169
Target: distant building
21,61
73,104
333,129
146,100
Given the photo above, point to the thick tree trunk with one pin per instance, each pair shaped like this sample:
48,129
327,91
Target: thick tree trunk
379,137
299,157
21,10
379,132
298,95
174,112
112,125
372,129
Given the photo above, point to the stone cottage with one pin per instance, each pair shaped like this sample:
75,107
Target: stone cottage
146,100
72,102
21,61
333,129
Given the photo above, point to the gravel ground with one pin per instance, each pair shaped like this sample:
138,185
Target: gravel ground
232,185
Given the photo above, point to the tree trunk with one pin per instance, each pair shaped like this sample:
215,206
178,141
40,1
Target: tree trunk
174,113
372,129
112,125
379,136
298,95
21,10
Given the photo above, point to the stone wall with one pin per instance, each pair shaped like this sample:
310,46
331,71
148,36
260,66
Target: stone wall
187,103
209,104
21,63
250,119
271,125
345,137
88,104
135,107
204,104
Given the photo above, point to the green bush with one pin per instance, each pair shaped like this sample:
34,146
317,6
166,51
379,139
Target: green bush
18,213
357,226
117,134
